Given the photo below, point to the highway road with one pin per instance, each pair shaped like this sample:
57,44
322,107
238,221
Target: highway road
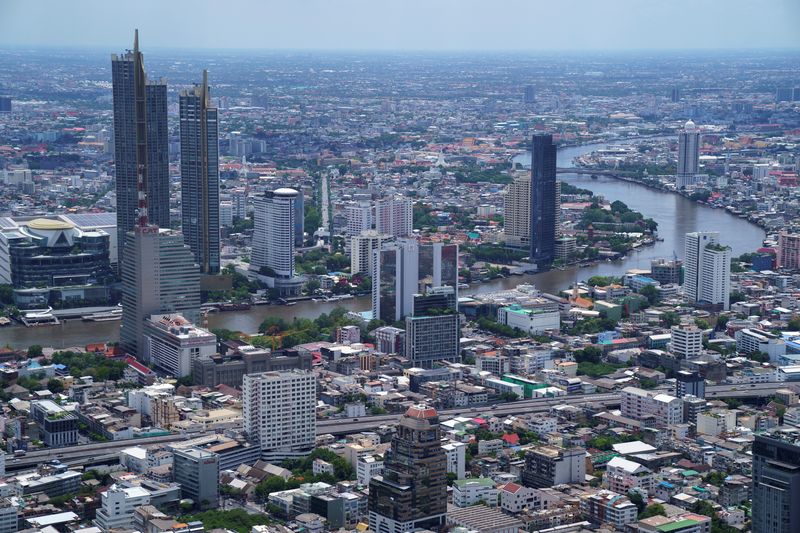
95,453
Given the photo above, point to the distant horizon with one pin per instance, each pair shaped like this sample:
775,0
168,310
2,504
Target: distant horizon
405,25
113,49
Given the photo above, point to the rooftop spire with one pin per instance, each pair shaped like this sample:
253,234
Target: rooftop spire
205,87
136,41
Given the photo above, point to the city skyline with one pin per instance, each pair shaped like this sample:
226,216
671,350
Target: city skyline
446,25
340,292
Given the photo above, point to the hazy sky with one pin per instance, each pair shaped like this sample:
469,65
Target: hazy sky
405,24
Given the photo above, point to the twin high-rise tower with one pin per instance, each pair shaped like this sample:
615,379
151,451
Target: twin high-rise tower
159,266
141,149
141,145
200,175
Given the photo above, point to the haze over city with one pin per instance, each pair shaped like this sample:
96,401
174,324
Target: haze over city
521,25
400,266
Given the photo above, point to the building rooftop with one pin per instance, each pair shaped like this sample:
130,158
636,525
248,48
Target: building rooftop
421,411
481,481
481,518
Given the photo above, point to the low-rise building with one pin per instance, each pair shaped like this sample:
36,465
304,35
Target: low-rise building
117,507
172,343
608,507
539,319
546,466
471,491
58,426
660,410
623,475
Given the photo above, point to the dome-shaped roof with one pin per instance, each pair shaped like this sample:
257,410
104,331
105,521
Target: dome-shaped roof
285,191
690,125
421,411
46,224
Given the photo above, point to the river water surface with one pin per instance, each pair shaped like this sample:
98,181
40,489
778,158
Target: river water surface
675,215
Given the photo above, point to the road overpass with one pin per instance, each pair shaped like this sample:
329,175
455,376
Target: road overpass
98,452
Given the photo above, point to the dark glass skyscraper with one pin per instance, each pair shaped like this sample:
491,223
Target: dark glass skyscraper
543,200
200,176
404,268
776,482
141,143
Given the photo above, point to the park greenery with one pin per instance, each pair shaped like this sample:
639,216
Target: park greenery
590,362
275,332
482,176
241,289
302,472
487,324
618,217
95,365
603,281
237,520
496,254
568,188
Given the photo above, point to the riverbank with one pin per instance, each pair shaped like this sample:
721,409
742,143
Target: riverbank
658,186
675,215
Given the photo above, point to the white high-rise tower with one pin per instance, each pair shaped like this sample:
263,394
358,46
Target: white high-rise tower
273,234
707,270
279,412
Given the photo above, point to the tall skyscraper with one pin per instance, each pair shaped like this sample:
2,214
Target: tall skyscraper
688,155
529,97
299,220
776,482
141,142
543,200
394,216
411,494
517,218
279,411
404,268
200,176
359,219
707,270
159,276
789,250
274,238
432,329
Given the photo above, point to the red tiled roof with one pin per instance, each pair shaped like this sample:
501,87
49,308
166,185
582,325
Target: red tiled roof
136,365
421,411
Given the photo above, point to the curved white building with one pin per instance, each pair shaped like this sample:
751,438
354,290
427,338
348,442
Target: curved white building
273,235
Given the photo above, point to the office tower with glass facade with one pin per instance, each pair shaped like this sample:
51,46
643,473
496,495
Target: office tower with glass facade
197,472
404,268
776,482
141,142
200,176
159,276
543,204
411,494
432,329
